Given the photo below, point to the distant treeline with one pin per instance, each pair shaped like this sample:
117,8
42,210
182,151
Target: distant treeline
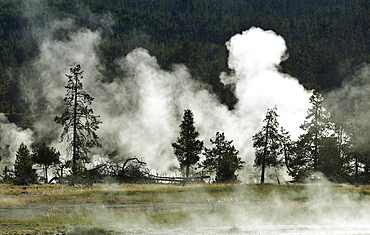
326,39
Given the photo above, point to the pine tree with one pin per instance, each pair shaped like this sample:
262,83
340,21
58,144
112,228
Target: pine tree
316,126
289,148
45,156
318,148
23,167
187,148
223,159
267,144
79,122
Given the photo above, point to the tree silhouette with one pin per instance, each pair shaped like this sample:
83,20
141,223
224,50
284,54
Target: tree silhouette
223,159
187,148
79,122
267,144
45,156
23,167
316,126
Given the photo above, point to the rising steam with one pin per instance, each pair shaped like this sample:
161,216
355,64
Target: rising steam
349,105
142,109
11,138
149,101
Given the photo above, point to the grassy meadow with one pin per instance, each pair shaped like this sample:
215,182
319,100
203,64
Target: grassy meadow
44,209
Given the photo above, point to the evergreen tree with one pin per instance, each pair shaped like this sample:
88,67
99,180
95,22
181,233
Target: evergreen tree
321,147
223,159
79,122
46,157
267,144
187,148
330,160
358,153
23,167
8,176
316,126
289,149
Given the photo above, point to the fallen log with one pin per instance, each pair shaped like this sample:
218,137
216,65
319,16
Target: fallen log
176,179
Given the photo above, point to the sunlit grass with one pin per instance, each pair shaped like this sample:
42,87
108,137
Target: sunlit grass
146,201
101,193
52,218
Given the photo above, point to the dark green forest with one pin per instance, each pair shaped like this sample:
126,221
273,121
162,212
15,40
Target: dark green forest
326,40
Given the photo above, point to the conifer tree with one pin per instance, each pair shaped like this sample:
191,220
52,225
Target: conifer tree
23,167
316,126
45,156
267,144
187,147
317,149
223,159
79,122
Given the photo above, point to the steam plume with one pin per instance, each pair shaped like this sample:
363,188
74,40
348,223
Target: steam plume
11,138
142,109
349,104
159,98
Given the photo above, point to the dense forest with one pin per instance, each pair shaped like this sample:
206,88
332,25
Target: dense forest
326,40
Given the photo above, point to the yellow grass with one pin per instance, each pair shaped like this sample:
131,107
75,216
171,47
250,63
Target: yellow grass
131,203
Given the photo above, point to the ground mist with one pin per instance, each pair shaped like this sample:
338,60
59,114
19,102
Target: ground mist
163,208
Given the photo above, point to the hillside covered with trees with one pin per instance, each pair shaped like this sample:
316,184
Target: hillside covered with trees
326,40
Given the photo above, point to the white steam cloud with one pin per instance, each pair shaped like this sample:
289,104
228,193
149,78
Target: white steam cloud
149,102
255,56
142,109
349,105
11,138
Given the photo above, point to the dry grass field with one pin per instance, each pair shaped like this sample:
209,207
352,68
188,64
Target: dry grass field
160,208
